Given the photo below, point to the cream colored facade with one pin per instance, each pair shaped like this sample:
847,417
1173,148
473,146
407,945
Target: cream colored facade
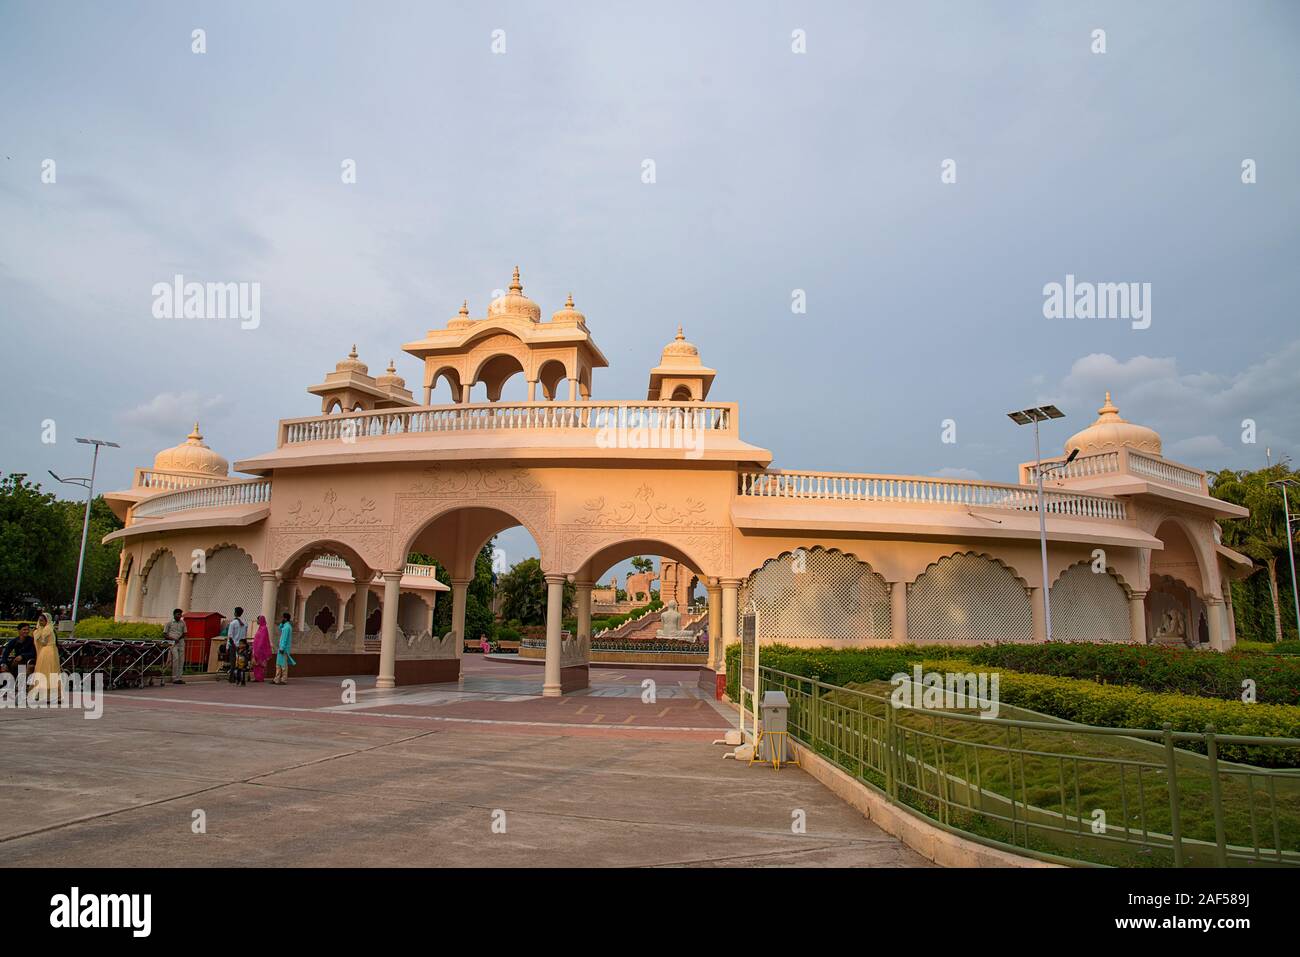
826,558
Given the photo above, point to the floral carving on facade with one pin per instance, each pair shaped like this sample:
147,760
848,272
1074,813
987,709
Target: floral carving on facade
642,509
439,481
330,514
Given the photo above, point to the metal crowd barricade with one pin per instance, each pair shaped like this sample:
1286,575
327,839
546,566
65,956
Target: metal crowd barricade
124,664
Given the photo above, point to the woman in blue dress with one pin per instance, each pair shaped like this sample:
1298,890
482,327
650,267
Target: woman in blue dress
282,657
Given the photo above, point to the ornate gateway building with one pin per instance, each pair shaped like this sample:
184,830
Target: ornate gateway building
323,526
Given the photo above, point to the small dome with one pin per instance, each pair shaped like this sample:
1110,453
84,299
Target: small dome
191,456
568,314
1110,432
515,304
352,363
461,320
680,352
390,378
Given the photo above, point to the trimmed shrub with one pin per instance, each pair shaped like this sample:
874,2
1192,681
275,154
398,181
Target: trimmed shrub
120,630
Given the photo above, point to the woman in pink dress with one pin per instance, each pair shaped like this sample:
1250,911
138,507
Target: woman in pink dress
261,649
484,645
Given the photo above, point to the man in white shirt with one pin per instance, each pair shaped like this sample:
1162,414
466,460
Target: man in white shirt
236,631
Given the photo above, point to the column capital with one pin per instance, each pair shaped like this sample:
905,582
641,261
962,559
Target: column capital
582,585
392,576
1136,595
730,582
554,578
269,576
1213,600
461,582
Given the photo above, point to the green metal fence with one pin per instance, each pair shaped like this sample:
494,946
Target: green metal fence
1053,789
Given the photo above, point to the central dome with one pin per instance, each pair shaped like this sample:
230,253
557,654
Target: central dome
1110,432
191,456
515,304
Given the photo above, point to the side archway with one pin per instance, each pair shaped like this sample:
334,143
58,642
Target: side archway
162,582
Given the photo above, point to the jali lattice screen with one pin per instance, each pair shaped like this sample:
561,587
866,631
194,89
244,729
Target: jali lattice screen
969,598
818,593
1089,606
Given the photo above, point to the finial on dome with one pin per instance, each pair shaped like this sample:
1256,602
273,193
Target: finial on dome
679,332
196,434
353,353
515,284
464,308
391,367
568,303
1109,408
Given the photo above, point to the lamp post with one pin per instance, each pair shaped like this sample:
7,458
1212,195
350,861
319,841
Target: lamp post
89,485
1284,484
1025,417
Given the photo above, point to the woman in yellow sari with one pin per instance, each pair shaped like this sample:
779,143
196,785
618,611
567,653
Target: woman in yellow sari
45,673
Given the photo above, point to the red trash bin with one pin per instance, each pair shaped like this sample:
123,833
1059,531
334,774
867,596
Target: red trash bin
200,627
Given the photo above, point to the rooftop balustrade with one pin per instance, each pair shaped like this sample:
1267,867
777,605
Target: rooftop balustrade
1124,461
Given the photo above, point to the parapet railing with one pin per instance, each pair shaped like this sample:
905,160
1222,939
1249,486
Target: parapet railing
416,571
1119,462
919,490
243,492
595,417
1064,792
150,479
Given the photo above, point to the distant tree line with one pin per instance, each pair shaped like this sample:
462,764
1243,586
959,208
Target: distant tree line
40,537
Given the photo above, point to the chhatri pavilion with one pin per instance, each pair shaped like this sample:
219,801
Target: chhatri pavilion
321,524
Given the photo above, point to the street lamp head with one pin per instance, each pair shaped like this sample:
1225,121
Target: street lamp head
1040,413
111,445
1074,453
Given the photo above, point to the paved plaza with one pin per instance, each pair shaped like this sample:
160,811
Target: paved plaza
413,777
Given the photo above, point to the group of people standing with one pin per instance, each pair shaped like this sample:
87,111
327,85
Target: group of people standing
241,657
37,652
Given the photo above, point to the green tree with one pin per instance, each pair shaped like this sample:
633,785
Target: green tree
523,593
1262,536
99,576
34,543
643,564
478,600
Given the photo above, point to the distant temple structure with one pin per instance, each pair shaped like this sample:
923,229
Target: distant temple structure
321,523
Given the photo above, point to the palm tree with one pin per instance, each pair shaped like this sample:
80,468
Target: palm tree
1263,535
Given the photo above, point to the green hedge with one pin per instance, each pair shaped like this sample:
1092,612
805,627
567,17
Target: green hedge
1115,706
1181,670
122,630
1269,647
1074,699
1153,668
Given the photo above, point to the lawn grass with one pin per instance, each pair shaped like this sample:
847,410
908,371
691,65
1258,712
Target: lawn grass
1060,778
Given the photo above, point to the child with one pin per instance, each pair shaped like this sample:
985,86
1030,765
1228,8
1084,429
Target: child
239,667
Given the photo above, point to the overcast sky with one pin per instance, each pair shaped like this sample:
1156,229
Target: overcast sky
775,171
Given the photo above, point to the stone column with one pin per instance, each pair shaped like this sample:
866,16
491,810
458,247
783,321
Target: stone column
269,590
730,588
388,631
898,612
551,687
583,599
185,592
1040,616
459,594
119,606
1137,617
532,390
573,390
341,611
299,599
717,642
428,395
360,611
135,610
1217,620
